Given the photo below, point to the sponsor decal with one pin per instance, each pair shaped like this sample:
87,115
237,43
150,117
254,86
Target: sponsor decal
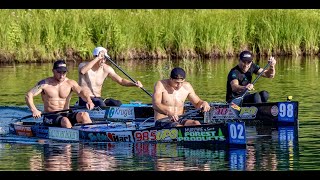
23,130
110,136
97,114
100,137
63,134
167,134
274,110
146,135
120,136
201,134
221,113
121,113
248,112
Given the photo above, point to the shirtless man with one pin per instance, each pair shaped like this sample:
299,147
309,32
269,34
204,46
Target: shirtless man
56,94
169,98
92,75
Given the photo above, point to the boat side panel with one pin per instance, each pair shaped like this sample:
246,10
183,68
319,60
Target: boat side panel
225,133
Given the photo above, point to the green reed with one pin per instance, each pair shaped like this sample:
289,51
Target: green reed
46,34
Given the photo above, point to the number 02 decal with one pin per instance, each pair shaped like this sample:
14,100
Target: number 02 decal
237,133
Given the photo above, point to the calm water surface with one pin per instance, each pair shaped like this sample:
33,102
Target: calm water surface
269,149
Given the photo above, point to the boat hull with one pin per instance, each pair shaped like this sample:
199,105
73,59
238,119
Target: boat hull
230,134
271,113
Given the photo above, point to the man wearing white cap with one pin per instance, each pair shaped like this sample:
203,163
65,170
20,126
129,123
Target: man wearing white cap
92,75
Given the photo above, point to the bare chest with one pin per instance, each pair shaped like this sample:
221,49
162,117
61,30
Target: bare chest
57,91
96,77
174,98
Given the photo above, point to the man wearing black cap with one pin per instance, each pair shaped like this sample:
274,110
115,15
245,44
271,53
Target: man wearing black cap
240,78
56,94
169,97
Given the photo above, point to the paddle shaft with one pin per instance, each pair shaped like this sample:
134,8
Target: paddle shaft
254,81
127,74
50,113
181,116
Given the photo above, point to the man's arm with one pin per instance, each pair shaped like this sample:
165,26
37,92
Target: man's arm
238,88
195,99
36,90
157,100
271,72
85,68
118,79
81,93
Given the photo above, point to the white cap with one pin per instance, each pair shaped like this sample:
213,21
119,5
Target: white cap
97,50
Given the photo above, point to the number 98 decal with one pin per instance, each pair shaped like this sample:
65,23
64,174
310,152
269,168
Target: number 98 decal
286,111
237,133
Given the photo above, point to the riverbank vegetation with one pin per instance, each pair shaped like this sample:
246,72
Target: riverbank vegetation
43,35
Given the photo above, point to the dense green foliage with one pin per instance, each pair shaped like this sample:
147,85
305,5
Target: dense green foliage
47,34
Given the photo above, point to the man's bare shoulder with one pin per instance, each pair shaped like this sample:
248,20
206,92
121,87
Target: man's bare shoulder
161,83
108,69
71,81
187,85
42,81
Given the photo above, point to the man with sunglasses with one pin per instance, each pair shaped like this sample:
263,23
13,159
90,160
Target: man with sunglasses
56,92
240,78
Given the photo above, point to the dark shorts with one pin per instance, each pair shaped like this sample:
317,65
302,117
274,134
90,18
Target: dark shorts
98,101
168,123
55,119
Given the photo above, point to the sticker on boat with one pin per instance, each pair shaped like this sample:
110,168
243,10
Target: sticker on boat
286,111
66,134
121,113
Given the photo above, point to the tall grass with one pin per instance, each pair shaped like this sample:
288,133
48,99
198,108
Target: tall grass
43,35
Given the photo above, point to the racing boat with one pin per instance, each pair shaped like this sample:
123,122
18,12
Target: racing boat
279,113
231,134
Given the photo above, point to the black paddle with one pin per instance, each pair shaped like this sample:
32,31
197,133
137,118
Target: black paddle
237,102
108,57
50,113
181,116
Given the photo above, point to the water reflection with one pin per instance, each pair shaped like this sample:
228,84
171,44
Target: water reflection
274,149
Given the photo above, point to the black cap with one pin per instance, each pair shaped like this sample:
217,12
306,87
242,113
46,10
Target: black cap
60,66
178,73
246,56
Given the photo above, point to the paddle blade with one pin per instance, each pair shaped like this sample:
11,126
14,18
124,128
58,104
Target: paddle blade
237,101
235,109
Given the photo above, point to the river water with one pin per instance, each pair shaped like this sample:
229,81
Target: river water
268,149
